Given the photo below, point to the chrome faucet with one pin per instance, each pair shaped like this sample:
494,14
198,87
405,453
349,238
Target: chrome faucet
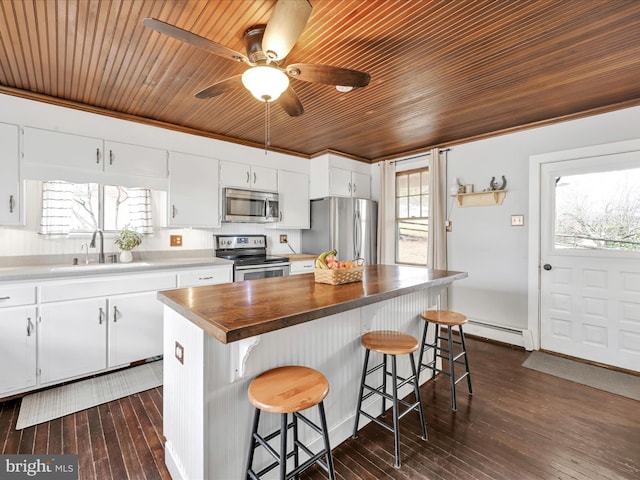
93,245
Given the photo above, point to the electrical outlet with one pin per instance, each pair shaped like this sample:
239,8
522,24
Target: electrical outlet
517,220
283,239
176,240
179,353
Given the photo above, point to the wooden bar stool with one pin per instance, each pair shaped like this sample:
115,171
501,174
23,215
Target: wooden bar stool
448,319
289,390
390,343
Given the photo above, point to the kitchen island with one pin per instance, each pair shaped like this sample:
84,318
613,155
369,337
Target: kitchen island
218,338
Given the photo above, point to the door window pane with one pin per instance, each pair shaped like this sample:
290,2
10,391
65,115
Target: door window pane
598,211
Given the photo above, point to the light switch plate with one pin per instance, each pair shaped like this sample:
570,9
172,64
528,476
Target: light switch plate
517,220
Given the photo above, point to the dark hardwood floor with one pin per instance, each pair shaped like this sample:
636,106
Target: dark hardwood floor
519,424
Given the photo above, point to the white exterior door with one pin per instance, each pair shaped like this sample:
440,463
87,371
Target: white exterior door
590,258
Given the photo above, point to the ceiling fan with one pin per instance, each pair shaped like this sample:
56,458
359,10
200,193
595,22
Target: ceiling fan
267,78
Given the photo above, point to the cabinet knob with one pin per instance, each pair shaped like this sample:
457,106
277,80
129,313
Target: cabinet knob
546,266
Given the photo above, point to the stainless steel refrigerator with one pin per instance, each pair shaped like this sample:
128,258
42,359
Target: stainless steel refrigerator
347,224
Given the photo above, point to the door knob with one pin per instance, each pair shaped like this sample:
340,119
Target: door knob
547,266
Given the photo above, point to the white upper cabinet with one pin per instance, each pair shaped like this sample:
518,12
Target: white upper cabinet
252,177
51,155
293,200
135,159
10,191
49,148
336,176
193,191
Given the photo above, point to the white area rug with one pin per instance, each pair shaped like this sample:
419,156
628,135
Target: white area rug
74,397
590,375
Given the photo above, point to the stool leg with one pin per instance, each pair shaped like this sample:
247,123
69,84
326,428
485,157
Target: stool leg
416,384
325,434
452,369
384,385
364,377
283,446
466,362
252,443
396,427
423,345
296,457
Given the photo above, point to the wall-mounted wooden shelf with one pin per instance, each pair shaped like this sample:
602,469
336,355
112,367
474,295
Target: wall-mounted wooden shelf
479,199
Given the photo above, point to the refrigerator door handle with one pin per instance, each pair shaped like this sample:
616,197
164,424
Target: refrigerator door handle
357,237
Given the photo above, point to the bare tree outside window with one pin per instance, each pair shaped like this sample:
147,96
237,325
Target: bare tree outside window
598,211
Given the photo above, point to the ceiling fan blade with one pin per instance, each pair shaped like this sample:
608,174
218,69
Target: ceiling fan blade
194,40
220,87
290,103
285,25
329,75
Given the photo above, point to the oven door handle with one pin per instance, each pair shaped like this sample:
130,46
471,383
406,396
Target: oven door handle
263,268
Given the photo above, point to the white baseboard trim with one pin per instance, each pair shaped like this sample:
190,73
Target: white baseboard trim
501,333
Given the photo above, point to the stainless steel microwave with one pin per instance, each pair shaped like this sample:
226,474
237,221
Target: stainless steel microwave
249,206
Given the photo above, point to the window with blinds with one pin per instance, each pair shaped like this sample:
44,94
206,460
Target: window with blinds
84,207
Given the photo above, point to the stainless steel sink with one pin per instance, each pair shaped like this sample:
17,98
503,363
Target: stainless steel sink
98,266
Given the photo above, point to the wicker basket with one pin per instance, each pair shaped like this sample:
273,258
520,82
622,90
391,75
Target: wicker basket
339,276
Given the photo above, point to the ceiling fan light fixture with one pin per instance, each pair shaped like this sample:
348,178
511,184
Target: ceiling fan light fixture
344,88
265,83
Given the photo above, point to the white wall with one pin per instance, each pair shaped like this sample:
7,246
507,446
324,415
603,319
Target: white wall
23,240
483,243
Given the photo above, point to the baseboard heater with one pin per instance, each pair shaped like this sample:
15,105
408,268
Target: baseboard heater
513,335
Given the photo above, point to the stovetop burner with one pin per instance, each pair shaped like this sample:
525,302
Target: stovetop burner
245,250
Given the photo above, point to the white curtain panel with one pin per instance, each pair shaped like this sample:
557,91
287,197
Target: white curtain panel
437,241
387,214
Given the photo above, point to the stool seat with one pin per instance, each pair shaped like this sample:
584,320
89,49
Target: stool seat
288,389
390,342
444,317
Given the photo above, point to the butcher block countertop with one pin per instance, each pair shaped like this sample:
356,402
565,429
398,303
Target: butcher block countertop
234,311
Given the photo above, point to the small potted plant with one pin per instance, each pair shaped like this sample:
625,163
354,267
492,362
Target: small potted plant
126,240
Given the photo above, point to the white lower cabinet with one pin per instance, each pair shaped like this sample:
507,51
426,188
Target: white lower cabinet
52,331
72,339
135,328
18,352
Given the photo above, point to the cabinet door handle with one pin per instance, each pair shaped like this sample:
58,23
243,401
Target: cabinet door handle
173,211
280,215
354,188
248,177
11,204
5,298
100,315
205,278
97,155
29,326
349,187
255,178
116,312
110,157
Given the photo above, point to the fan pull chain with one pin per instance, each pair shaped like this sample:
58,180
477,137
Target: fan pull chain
267,126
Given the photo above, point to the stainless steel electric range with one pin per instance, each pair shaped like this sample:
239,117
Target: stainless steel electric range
249,255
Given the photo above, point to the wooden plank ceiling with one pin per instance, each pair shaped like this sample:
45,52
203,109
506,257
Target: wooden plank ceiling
442,71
